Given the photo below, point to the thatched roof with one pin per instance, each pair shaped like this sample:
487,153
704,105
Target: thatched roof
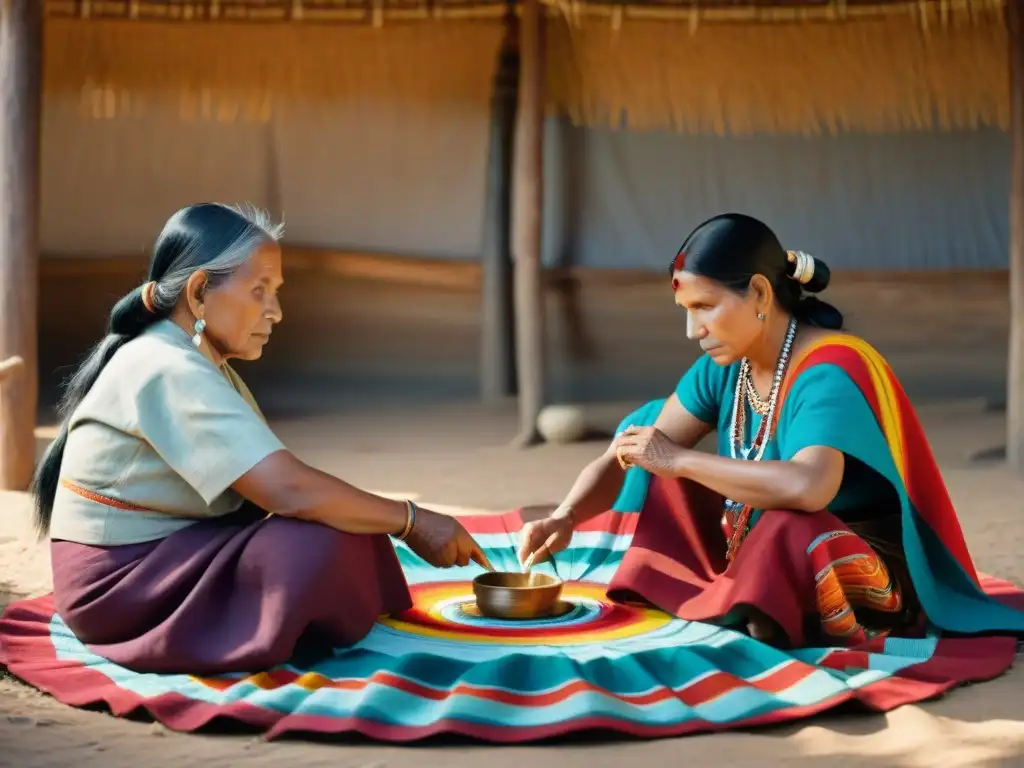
326,11
823,66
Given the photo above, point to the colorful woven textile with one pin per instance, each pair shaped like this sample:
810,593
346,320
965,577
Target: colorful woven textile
442,668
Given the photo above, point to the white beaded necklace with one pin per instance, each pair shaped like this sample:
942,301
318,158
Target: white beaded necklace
755,451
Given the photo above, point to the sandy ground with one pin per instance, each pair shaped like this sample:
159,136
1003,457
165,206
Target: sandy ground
427,454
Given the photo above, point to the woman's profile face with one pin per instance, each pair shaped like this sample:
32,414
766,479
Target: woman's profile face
723,321
241,311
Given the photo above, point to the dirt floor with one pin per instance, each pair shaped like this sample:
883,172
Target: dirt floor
946,340
427,454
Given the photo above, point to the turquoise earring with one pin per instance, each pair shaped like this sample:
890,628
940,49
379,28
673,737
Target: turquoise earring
199,327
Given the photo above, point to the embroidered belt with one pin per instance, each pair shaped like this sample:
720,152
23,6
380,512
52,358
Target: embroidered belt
99,498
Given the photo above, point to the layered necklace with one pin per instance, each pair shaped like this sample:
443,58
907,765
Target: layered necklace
754,451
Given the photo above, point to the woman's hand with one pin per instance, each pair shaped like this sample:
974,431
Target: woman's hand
546,536
648,448
443,542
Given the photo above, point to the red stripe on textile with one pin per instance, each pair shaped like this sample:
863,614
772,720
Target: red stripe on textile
607,615
610,618
843,658
924,483
693,694
926,486
29,654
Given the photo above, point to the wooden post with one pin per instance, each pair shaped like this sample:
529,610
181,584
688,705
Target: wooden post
1015,380
21,65
497,335
10,368
528,198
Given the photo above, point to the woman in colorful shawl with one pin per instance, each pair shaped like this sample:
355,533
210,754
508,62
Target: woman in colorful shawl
185,537
823,517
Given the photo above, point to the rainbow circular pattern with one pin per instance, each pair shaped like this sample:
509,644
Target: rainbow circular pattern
447,611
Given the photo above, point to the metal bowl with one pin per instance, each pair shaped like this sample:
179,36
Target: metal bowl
510,595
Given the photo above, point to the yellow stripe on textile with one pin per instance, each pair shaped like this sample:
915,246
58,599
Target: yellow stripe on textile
885,393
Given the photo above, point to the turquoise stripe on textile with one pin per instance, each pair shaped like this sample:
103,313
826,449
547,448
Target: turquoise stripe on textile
656,671
637,667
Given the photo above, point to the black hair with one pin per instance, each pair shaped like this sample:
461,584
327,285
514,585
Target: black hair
732,247
208,236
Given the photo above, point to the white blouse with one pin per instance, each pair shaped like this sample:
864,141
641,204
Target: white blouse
156,444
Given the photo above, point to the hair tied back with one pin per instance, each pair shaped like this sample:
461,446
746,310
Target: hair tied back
801,266
147,297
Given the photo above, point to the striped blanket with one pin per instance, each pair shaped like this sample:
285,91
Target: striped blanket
441,667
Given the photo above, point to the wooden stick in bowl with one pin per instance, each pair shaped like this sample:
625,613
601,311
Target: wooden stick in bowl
545,547
529,562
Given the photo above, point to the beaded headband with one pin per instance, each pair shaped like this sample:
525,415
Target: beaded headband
147,296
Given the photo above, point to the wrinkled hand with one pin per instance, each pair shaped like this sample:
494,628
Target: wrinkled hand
648,448
545,537
442,541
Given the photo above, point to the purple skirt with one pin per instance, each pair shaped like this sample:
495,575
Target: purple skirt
236,594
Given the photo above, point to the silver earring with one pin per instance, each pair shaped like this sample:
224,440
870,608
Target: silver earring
199,327
760,315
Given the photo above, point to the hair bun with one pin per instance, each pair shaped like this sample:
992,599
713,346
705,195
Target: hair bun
813,274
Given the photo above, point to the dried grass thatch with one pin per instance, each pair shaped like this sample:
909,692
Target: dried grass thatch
872,72
718,66
373,12
238,72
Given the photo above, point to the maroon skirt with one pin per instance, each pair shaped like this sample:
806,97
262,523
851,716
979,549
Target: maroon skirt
238,593
816,578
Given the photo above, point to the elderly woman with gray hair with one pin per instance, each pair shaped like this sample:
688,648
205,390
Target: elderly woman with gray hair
185,537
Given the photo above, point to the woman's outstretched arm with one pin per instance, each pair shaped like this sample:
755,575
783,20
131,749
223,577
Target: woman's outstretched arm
286,486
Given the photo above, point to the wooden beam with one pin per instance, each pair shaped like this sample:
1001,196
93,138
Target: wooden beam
21,66
528,198
1015,382
345,11
497,334
10,368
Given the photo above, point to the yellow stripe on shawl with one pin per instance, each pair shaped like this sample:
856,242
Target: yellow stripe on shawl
888,401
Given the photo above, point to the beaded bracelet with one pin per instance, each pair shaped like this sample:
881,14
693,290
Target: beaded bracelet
410,520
